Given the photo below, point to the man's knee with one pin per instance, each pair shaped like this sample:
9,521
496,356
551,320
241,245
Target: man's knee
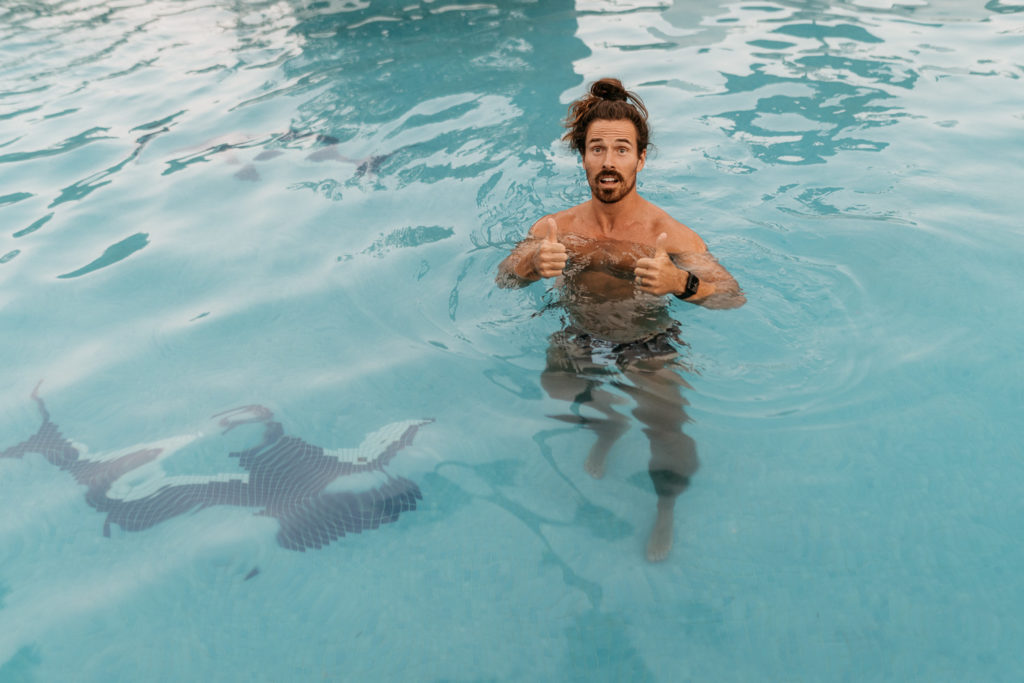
564,386
668,483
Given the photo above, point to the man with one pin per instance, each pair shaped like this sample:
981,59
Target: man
615,257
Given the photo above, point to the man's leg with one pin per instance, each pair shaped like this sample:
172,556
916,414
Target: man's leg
565,378
657,390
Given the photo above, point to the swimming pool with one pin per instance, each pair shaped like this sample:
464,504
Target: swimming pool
232,226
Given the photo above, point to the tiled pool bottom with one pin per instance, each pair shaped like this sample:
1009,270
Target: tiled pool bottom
248,247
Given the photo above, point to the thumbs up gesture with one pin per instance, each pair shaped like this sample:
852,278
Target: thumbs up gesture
658,275
550,257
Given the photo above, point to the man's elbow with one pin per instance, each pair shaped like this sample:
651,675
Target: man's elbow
733,297
737,300
723,301
508,280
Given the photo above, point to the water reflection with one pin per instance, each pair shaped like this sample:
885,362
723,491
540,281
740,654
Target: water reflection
433,109
793,82
822,88
399,93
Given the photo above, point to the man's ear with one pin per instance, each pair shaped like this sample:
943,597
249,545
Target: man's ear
643,160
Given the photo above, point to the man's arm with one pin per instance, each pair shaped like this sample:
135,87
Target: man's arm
717,289
538,256
666,273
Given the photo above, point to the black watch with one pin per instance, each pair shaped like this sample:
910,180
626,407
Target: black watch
692,283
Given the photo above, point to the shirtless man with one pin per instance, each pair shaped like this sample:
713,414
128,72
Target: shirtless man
616,256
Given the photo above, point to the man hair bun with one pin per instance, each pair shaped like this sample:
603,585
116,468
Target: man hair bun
609,89
608,99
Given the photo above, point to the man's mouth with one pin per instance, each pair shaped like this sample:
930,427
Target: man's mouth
608,179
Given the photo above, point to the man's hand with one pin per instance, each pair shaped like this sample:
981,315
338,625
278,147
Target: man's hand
550,257
658,275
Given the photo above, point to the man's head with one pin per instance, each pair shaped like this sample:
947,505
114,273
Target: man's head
609,130
607,100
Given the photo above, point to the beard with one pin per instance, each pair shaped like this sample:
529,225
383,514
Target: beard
610,195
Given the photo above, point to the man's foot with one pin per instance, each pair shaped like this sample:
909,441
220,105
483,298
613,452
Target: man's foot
608,432
660,542
594,464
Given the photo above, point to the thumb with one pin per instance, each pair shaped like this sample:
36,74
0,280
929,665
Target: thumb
659,245
552,235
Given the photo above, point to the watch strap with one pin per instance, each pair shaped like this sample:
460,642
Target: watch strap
692,284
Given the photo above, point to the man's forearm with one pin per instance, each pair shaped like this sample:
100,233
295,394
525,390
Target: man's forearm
717,288
517,270
718,294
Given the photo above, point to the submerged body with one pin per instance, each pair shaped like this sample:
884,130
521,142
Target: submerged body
615,257
599,295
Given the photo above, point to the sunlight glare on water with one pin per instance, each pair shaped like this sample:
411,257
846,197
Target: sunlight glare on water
218,217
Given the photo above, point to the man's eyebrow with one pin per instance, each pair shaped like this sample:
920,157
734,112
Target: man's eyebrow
626,140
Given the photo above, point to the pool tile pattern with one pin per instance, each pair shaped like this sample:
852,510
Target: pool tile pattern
287,479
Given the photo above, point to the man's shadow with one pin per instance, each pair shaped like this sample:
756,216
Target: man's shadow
284,477
583,375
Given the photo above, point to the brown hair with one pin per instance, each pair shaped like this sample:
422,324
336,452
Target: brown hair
608,99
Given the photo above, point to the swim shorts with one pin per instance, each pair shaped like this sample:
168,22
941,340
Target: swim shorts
579,351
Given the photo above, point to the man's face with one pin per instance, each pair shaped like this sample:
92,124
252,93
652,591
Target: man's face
610,159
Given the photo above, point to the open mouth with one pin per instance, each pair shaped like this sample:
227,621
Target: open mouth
608,179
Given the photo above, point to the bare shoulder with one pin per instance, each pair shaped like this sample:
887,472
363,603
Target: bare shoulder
680,238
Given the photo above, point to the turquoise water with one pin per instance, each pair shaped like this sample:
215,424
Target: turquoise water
209,205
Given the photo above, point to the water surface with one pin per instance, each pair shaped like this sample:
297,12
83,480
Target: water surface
208,205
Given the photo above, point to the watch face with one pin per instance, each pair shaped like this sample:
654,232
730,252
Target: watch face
692,283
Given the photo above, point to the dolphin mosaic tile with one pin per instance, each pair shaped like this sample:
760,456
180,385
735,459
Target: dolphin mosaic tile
284,477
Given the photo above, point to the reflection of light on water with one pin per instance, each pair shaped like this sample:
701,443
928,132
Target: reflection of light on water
888,4
350,275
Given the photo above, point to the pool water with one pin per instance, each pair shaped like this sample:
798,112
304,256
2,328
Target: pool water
265,415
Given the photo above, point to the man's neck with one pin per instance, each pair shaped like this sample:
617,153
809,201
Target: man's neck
608,217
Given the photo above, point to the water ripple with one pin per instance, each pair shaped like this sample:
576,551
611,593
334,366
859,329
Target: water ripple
84,138
35,226
112,254
324,190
